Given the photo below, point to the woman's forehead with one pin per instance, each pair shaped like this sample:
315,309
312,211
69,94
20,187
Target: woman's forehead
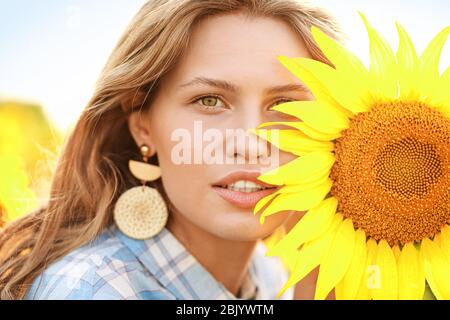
237,47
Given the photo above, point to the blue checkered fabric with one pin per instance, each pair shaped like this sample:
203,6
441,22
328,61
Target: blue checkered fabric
114,266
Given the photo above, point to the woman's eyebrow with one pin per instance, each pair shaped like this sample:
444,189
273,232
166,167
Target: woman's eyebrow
228,86
222,84
287,88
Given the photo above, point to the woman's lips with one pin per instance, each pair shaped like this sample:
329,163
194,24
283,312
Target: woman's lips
244,200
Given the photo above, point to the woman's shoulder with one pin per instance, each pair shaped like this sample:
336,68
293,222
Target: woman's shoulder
104,269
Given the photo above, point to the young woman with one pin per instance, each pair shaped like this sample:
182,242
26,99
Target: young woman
190,233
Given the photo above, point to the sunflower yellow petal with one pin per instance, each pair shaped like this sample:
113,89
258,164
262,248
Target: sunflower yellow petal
321,79
314,134
445,79
383,64
341,58
445,241
411,277
311,254
293,141
441,96
313,224
408,65
338,84
436,269
318,116
309,167
429,60
317,88
388,289
347,288
300,201
303,127
307,185
349,69
261,203
396,250
430,278
337,261
445,110
438,241
371,275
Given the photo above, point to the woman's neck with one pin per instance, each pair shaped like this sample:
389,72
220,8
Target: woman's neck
226,260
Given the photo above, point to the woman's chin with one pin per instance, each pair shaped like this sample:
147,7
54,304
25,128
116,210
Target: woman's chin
246,226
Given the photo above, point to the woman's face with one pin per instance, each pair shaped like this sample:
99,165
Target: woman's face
221,88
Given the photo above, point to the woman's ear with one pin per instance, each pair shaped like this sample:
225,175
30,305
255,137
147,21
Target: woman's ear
140,130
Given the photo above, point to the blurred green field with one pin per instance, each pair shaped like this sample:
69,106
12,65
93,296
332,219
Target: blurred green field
29,144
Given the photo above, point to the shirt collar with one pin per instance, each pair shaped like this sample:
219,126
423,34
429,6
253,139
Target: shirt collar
248,290
180,273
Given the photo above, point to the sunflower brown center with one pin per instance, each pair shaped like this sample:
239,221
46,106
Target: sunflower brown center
408,167
392,172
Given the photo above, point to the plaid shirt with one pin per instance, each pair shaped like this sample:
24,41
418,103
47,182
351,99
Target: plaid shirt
115,266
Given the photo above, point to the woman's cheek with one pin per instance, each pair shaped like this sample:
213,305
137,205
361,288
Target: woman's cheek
188,187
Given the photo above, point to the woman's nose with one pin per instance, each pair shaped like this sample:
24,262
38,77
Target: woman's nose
250,148
246,146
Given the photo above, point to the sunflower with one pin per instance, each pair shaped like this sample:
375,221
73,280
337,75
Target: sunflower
28,146
372,171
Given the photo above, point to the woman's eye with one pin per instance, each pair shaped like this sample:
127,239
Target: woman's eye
279,114
281,101
210,103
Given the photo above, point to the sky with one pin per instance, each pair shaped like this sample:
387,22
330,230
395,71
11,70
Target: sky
52,51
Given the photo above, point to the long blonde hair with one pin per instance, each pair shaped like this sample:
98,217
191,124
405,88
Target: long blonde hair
92,168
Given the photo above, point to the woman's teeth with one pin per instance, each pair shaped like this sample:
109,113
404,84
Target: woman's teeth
244,186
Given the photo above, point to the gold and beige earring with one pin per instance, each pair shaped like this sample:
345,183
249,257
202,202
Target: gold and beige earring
141,212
